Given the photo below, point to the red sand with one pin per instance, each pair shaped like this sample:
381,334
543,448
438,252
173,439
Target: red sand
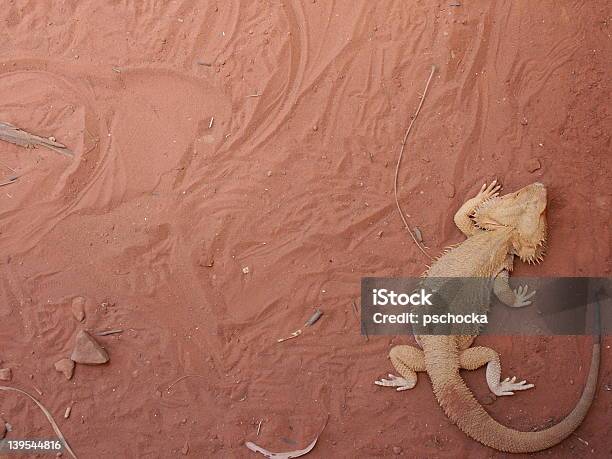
296,185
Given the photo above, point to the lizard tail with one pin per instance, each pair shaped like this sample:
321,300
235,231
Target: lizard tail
464,410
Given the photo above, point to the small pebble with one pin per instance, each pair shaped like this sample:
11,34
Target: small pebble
533,165
206,262
449,189
6,374
87,350
417,234
488,399
78,308
65,366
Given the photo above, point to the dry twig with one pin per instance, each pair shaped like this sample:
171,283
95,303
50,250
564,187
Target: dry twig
109,332
316,316
12,179
399,160
181,378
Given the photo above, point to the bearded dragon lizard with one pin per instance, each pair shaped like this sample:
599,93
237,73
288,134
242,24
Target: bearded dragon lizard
498,229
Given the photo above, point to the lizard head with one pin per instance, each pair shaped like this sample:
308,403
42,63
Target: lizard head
523,213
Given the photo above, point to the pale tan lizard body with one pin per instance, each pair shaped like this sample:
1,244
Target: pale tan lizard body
497,230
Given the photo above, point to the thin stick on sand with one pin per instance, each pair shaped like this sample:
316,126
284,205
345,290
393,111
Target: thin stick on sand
399,160
180,379
12,179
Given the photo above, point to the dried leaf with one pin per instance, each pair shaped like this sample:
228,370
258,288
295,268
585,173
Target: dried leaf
12,134
288,455
297,453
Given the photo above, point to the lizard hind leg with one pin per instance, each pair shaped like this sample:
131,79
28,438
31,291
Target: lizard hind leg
475,357
407,360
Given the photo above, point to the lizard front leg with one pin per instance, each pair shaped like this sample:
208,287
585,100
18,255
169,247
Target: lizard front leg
513,298
462,217
407,360
475,357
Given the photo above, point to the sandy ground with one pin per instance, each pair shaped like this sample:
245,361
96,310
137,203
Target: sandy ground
293,180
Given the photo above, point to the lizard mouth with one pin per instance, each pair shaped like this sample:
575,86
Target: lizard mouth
533,248
532,255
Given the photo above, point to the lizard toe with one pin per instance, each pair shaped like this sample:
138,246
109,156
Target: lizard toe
509,385
396,381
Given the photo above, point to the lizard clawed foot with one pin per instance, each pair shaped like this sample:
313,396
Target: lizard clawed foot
509,385
522,297
490,191
396,381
